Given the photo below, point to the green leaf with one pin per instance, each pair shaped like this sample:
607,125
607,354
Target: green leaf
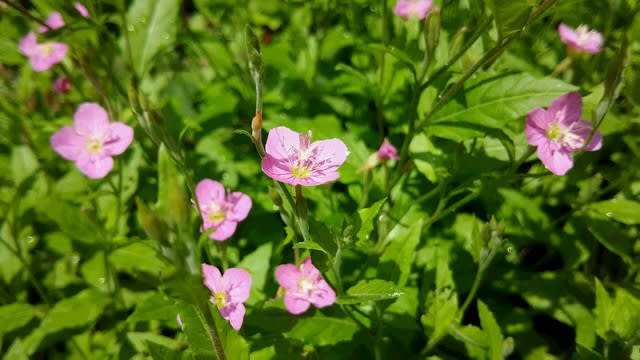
441,313
73,221
492,329
154,307
193,325
151,28
612,237
257,264
493,102
162,352
172,200
396,261
139,256
322,331
372,290
15,316
510,15
94,272
367,217
23,163
622,210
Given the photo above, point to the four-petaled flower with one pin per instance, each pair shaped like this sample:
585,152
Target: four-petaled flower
92,141
293,159
304,285
558,132
387,151
581,40
220,210
412,8
228,292
42,56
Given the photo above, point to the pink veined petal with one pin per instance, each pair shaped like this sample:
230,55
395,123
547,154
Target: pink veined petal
558,162
67,143
288,276
596,142
224,230
40,63
209,191
331,153
412,8
97,167
212,278
28,44
236,316
278,169
594,44
81,9
567,109
567,35
295,305
308,270
281,141
535,127
237,283
59,52
90,119
118,138
240,206
322,295
583,128
319,178
54,21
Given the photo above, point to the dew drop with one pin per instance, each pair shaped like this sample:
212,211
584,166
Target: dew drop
510,250
130,28
29,239
101,280
75,259
166,36
143,20
609,214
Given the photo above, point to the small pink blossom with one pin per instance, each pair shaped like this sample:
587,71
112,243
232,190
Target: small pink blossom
220,210
412,8
293,159
228,292
92,141
304,285
54,21
81,9
62,85
387,151
42,56
581,40
558,132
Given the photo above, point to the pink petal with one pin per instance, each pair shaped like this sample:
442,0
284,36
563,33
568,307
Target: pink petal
209,192
224,230
596,142
212,278
67,143
331,152
295,305
567,35
29,45
412,8
241,204
59,51
535,127
55,21
319,178
236,316
81,9
288,275
567,109
278,169
594,43
282,142
558,162
322,295
62,85
583,129
90,119
119,138
96,167
237,284
308,270
387,151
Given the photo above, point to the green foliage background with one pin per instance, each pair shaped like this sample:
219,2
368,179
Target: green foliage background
100,269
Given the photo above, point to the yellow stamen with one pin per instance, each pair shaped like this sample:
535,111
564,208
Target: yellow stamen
300,172
219,299
216,216
554,132
304,285
93,145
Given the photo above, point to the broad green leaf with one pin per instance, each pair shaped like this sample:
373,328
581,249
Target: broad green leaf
162,352
16,351
492,329
495,101
612,236
193,325
155,307
140,256
371,290
396,261
622,210
23,163
172,200
510,15
94,272
73,221
151,28
234,345
602,310
140,340
442,308
15,316
367,217
257,264
322,331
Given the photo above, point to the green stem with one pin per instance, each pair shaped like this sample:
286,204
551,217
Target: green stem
212,331
302,212
26,13
377,342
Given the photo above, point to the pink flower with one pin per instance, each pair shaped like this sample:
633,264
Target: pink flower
229,292
42,56
293,159
62,85
81,9
92,141
220,210
558,132
412,8
304,285
387,151
581,39
54,21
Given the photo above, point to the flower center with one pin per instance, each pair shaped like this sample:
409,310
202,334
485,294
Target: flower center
216,216
305,285
554,132
93,145
46,49
300,171
219,299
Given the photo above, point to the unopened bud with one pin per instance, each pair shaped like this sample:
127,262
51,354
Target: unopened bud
256,127
155,228
432,32
275,197
456,42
